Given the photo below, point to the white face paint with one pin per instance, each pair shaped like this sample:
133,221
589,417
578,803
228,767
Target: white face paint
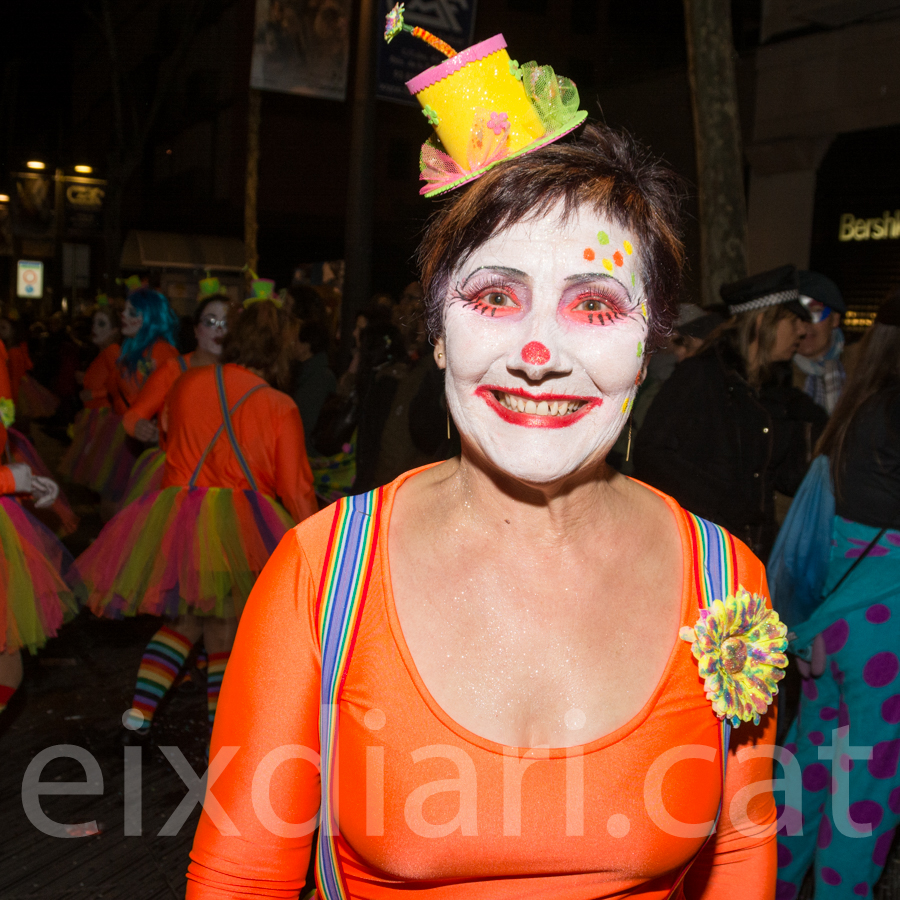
544,332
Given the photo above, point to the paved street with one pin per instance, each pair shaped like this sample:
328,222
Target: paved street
74,695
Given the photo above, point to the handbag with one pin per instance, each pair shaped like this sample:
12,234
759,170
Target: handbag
798,563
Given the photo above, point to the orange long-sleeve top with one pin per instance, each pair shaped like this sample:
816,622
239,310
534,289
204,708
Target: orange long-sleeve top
150,403
19,362
7,481
100,374
124,387
424,805
267,428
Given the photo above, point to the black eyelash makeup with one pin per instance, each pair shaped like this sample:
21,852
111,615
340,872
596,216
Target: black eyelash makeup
473,292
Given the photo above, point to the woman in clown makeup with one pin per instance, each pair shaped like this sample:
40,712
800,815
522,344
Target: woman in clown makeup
499,682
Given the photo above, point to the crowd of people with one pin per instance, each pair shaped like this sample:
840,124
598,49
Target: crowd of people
500,580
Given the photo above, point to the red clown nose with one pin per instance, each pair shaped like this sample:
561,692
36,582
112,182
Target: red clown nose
535,354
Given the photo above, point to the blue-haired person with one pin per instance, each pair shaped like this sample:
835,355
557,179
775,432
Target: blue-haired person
149,328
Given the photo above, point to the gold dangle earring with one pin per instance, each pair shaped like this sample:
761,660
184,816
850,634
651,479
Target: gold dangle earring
448,423
628,448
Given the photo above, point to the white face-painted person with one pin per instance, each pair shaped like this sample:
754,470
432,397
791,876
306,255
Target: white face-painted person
543,345
520,715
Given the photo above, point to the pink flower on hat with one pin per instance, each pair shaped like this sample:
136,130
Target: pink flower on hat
498,122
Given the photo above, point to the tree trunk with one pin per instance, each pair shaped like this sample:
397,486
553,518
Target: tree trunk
717,134
251,226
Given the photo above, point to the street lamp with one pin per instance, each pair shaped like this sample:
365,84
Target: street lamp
36,164
4,198
84,170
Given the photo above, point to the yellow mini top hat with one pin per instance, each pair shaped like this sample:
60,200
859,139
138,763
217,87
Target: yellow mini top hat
131,283
484,107
209,286
261,289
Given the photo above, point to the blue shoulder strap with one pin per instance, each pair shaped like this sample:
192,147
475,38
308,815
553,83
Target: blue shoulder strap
342,593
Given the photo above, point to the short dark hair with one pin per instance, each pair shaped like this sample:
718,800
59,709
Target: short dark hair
210,298
606,170
261,337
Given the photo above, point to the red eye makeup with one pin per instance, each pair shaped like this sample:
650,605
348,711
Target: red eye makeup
491,296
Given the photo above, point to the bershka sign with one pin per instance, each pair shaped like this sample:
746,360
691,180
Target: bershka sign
879,228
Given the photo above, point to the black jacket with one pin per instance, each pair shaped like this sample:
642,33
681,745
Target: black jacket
721,448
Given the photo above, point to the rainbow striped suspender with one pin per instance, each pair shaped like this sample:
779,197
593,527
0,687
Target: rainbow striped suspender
716,576
342,593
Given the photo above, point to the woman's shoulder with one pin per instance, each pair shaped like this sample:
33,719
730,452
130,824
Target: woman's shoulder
749,569
313,538
162,350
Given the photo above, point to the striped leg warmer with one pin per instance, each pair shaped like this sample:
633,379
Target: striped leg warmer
163,658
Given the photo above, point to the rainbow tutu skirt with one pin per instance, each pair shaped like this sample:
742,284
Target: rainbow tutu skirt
182,550
35,598
75,464
146,475
106,462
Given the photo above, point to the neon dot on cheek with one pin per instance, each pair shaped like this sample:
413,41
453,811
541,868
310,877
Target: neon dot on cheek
589,254
628,248
607,264
618,259
602,237
535,354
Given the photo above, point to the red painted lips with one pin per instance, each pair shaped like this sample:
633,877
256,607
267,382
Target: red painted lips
548,419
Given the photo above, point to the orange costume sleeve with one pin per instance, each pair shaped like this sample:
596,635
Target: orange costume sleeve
150,401
7,482
98,376
425,805
124,388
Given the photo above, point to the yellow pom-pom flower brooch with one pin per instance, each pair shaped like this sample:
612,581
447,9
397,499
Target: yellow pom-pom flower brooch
739,644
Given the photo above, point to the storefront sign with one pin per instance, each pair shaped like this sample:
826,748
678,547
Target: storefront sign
879,228
30,279
83,198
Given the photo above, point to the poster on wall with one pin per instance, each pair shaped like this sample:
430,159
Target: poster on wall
34,205
405,57
302,47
